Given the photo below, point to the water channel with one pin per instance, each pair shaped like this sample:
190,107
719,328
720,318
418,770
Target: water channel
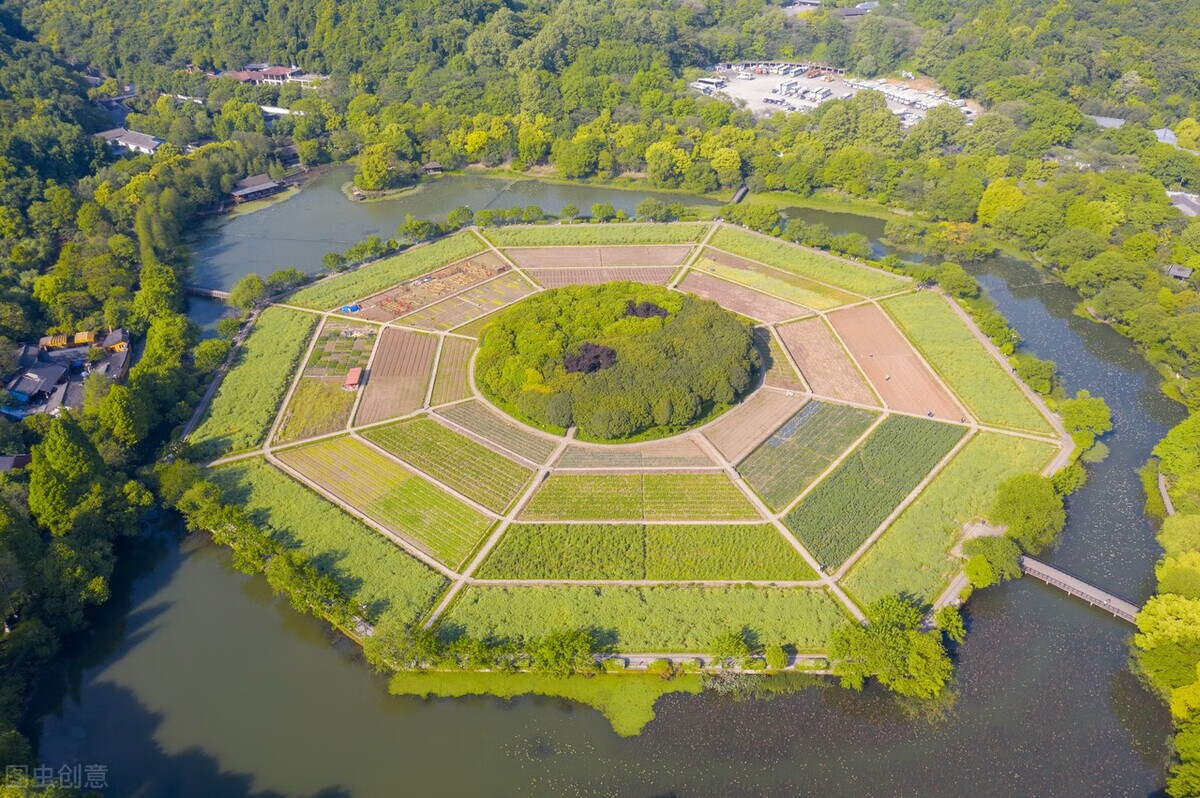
197,682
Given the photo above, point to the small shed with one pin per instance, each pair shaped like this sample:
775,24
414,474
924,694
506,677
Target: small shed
353,379
1179,272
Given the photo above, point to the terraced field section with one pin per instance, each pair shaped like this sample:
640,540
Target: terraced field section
452,382
638,497
645,619
634,551
824,362
470,304
850,504
455,460
376,573
833,271
736,433
772,281
399,376
396,499
671,453
545,235
375,277
796,453
983,385
478,419
739,298
913,555
245,404
321,404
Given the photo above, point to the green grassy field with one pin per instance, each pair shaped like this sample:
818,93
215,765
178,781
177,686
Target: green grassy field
626,699
913,555
807,263
667,619
476,471
381,274
241,413
402,502
801,449
377,573
633,551
956,354
637,497
854,500
581,234
478,419
317,407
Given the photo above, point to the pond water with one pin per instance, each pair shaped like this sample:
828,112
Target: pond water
197,682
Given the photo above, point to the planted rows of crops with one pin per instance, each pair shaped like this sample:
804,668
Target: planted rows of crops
400,501
474,470
796,454
635,551
867,486
639,497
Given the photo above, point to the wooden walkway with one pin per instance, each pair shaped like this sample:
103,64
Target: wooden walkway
1093,595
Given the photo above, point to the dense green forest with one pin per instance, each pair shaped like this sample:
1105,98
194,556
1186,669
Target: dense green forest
587,91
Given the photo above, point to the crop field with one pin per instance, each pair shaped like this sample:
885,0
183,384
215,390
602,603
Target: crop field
824,363
471,304
851,503
984,386
779,372
399,376
452,380
477,418
558,278
375,572
318,406
913,555
890,363
396,499
773,281
670,453
545,235
829,269
796,453
638,497
475,471
739,298
245,404
736,433
429,288
574,258
667,618
375,277
634,551
340,346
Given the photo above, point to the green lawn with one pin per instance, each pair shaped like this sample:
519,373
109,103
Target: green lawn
633,551
393,497
377,573
581,234
913,555
381,274
637,497
667,619
241,413
626,699
801,449
476,471
866,487
952,349
808,263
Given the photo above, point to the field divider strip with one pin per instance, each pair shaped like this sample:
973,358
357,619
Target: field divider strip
287,397
391,535
492,514
853,447
899,509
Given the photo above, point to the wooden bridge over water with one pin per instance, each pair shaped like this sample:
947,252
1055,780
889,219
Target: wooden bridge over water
1125,610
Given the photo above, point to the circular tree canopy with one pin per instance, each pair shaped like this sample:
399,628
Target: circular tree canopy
616,360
